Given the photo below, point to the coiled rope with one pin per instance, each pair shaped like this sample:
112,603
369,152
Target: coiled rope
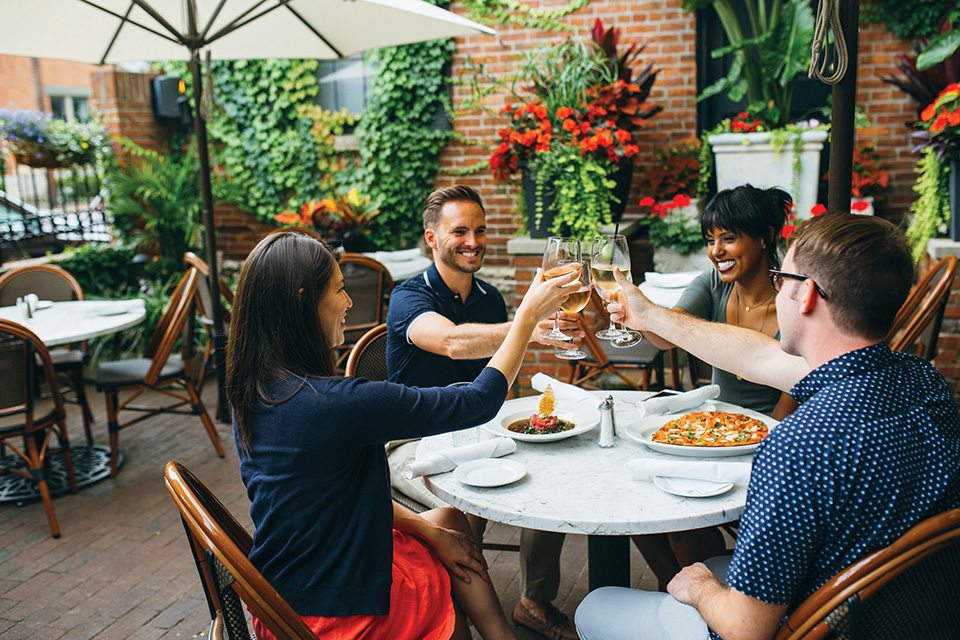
828,18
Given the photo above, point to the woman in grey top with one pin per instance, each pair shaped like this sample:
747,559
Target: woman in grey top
741,227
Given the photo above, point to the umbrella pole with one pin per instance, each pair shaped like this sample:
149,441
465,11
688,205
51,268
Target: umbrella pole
843,126
219,343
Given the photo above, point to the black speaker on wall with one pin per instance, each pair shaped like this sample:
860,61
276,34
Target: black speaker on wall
169,99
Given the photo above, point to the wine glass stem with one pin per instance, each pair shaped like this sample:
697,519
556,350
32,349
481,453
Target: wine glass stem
556,322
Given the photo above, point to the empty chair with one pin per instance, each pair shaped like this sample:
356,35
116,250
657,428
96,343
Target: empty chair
219,545
917,326
27,422
368,358
604,358
205,307
701,373
369,284
53,283
907,590
156,371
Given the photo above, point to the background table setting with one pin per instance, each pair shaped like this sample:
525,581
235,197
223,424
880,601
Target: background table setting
57,323
569,483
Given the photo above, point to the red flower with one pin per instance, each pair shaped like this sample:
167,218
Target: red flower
569,125
681,200
506,109
623,136
929,112
859,205
817,209
646,201
787,230
564,112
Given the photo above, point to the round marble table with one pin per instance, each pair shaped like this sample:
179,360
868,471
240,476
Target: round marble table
65,322
575,486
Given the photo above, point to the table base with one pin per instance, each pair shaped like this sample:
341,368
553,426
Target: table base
91,464
608,561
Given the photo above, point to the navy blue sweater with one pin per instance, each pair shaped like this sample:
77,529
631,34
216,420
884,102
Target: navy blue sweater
318,482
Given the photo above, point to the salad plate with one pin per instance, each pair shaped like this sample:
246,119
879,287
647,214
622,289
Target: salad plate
584,417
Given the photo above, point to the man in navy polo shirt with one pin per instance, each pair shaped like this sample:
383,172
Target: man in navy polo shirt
442,327
873,449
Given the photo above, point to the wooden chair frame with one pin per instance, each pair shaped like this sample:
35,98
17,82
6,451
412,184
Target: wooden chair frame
356,357
220,546
584,371
384,287
202,300
161,344
925,304
868,576
72,370
36,433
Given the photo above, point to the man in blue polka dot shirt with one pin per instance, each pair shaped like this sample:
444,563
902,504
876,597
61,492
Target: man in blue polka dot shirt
873,449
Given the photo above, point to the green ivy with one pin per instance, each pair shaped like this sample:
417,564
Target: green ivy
931,211
498,12
583,192
906,18
399,153
265,146
327,125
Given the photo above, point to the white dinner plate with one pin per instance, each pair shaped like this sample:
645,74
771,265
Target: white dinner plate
689,488
114,311
583,416
643,429
44,304
489,472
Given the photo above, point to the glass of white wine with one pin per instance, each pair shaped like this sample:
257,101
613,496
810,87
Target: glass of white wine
609,252
562,256
575,303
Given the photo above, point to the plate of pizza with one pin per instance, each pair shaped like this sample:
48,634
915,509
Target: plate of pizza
728,431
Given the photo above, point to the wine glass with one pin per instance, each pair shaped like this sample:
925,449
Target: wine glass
562,256
575,303
609,252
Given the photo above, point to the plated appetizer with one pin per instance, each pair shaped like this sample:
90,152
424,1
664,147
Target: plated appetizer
543,422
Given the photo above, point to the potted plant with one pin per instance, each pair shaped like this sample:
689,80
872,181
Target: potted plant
867,181
573,140
673,209
769,52
344,220
937,209
37,139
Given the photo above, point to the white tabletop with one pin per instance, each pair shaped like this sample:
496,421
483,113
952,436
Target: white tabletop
667,296
64,322
575,486
402,264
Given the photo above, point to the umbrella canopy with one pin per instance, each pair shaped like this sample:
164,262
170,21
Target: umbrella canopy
112,31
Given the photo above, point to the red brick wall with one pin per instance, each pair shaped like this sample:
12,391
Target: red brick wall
123,99
17,87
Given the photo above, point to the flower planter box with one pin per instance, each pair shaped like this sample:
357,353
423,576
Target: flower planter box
750,158
861,209
40,160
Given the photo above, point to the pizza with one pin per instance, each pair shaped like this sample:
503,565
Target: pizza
712,429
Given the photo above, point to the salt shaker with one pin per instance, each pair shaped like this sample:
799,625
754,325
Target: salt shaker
24,307
608,430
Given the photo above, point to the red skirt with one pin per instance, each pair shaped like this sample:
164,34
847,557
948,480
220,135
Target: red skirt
421,606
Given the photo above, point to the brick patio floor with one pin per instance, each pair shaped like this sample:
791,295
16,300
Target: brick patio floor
122,569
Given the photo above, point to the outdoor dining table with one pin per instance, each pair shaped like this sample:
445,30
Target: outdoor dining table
575,486
57,323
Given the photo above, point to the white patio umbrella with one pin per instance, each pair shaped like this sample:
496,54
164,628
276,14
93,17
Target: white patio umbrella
113,31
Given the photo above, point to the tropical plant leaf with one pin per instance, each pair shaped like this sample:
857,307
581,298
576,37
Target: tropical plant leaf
787,52
939,50
696,5
727,82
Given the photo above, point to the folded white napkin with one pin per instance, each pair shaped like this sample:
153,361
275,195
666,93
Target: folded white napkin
450,459
677,280
564,391
714,471
679,402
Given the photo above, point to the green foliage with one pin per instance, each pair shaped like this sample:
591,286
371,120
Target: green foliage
103,271
930,212
906,19
39,139
500,12
399,153
326,126
583,191
155,202
766,63
265,146
940,48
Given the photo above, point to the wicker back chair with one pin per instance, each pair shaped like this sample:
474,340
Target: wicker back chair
369,284
156,371
50,282
220,546
907,590
368,358
26,422
917,326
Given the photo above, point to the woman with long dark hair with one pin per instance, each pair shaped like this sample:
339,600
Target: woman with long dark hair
328,537
742,228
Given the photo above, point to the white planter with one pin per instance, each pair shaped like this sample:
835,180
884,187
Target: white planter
667,260
865,212
749,158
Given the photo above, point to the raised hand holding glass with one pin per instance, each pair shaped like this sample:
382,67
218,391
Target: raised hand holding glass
562,256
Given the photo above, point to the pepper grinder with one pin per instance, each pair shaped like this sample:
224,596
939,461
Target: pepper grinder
608,428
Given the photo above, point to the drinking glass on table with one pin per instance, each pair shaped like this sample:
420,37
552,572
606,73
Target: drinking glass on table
609,252
575,303
562,256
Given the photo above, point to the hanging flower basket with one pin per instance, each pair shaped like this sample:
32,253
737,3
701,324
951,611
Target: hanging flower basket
40,159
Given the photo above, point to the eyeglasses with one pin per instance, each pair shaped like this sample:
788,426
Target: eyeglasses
776,279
